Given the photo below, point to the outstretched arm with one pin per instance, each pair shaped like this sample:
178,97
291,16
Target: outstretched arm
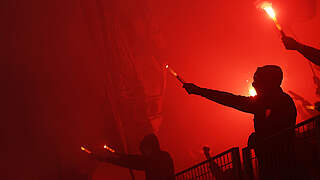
242,103
137,162
312,54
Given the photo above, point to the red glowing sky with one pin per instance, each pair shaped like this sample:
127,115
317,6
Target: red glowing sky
219,45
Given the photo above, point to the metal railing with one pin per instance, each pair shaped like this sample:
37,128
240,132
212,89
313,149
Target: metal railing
302,158
305,152
224,166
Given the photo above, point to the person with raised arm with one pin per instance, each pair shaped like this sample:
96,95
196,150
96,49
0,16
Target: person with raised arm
274,111
157,164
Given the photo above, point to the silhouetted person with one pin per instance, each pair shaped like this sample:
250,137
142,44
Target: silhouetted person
157,164
215,169
273,112
312,54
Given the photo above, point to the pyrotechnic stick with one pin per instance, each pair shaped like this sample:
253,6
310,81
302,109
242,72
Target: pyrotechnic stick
85,150
174,74
267,7
108,148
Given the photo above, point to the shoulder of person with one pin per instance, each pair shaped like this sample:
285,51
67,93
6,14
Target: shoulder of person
165,154
288,97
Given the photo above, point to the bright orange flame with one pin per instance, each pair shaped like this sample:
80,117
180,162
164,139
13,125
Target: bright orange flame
267,7
252,92
108,148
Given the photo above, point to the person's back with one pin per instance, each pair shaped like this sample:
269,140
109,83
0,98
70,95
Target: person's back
274,113
160,166
274,139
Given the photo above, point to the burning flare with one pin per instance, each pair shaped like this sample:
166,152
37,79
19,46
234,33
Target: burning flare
108,148
85,150
267,7
171,70
252,92
174,74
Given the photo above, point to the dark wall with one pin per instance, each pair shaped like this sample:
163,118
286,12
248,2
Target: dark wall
53,94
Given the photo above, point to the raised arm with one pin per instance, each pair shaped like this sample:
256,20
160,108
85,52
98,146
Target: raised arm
137,162
312,54
241,103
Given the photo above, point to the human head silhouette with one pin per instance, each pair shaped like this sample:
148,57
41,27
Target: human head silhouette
267,79
149,144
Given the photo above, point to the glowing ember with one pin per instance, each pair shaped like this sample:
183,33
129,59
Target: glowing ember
252,92
108,148
311,107
85,150
167,66
267,7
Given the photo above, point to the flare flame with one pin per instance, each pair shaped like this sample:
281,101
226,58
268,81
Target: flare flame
267,7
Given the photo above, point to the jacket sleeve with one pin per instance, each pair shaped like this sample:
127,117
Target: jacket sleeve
241,103
136,162
312,54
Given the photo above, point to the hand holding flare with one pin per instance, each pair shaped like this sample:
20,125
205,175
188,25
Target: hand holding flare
174,74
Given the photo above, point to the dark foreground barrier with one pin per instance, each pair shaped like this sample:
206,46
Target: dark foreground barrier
224,166
301,159
295,160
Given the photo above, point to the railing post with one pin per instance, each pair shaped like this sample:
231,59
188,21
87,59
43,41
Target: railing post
236,163
247,163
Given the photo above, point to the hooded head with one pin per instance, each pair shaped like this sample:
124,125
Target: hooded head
149,144
267,79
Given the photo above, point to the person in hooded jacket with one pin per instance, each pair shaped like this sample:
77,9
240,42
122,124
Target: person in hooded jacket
274,111
157,164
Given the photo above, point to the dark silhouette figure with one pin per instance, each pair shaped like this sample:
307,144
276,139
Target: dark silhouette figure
273,111
215,169
157,164
312,54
